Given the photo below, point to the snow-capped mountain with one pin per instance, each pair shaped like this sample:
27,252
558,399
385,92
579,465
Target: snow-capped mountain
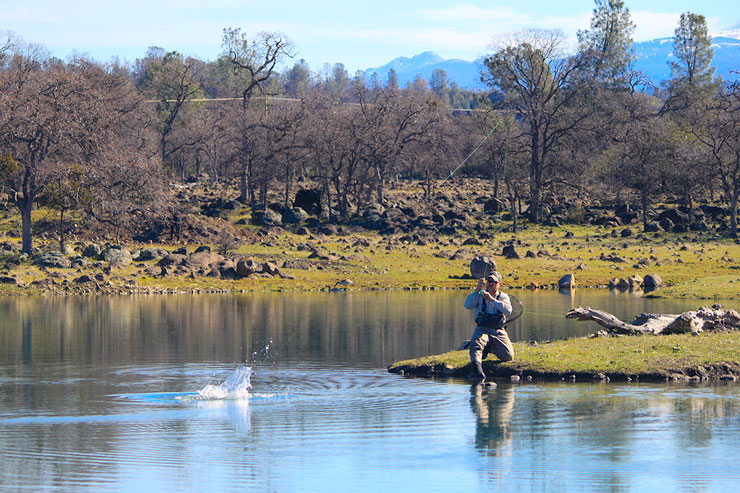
651,57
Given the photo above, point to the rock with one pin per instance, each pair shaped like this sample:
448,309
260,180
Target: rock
172,259
296,215
226,269
309,200
79,261
52,259
607,221
361,242
9,280
611,258
493,206
699,226
92,250
328,229
680,228
461,254
568,281
652,281
202,248
220,207
510,252
83,279
472,241
634,281
297,264
181,251
269,268
653,227
271,218
626,232
628,217
117,257
151,254
530,254
246,267
673,215
481,265
713,211
436,219
642,263
203,260
67,250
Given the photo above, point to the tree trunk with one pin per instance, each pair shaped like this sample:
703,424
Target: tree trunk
704,319
380,184
61,229
243,186
643,204
25,206
733,213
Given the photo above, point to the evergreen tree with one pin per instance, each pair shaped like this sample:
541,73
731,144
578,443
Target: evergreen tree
392,80
692,49
298,79
608,43
438,82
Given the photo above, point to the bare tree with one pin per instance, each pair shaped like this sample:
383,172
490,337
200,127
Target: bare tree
540,84
716,124
253,63
173,81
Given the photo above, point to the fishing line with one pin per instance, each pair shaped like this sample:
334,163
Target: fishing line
473,151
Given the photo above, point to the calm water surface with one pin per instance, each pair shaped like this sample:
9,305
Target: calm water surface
288,392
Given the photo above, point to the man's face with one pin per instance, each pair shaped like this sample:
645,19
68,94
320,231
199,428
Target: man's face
492,285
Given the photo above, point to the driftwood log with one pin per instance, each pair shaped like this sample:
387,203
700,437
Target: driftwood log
715,319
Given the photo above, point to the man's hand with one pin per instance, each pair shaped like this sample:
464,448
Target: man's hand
481,285
488,296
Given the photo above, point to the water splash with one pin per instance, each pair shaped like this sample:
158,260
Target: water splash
264,354
235,387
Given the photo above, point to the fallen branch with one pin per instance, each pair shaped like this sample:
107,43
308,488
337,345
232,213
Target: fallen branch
705,319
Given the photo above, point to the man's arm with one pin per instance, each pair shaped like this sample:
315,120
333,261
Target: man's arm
503,303
473,300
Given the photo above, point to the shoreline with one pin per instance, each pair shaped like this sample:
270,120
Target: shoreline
676,357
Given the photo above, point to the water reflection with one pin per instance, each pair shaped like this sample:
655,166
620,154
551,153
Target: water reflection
323,414
611,436
492,408
357,328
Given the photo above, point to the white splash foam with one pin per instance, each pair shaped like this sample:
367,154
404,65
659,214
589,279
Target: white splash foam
235,387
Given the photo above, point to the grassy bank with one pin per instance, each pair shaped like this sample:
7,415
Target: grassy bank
677,357
702,265
691,266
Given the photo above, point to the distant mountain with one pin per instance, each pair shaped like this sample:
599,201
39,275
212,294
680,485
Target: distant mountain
465,73
651,57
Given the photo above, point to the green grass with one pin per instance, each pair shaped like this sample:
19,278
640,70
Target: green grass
618,356
691,265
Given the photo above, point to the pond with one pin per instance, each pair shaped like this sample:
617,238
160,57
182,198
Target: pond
289,392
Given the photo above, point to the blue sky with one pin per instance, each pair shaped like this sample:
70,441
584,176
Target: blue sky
358,34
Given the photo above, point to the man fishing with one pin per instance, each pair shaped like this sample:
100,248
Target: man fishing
492,306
